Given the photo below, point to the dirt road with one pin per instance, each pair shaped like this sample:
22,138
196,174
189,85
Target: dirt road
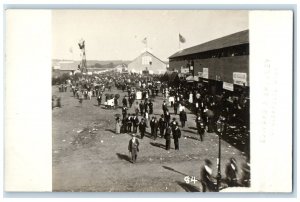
88,156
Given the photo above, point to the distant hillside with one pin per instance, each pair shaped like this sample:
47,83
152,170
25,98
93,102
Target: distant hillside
99,64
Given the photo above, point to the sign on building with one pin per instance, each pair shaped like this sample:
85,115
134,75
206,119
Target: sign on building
205,73
228,86
240,78
184,70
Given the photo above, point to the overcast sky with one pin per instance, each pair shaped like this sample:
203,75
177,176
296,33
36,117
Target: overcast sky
118,34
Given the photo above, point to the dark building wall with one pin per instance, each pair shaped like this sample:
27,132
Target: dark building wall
222,67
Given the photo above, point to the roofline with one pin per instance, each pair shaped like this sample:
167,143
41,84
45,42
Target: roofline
150,54
170,57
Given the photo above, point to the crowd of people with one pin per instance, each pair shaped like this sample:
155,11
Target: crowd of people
141,92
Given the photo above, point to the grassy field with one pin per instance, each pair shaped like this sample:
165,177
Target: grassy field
88,156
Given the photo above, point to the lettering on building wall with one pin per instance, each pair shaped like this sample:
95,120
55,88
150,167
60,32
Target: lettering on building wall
240,78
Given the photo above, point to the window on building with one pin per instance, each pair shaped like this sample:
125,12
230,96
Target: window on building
146,60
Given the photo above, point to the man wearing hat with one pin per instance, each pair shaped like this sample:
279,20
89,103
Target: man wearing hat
164,107
133,148
162,125
152,126
129,123
150,107
124,111
135,122
167,116
124,101
156,125
183,118
173,124
176,136
168,137
142,128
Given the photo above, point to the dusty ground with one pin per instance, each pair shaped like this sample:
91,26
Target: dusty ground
88,156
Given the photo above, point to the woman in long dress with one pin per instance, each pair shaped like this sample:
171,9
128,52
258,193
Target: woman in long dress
118,125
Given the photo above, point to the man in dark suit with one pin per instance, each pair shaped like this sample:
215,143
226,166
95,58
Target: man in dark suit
173,124
150,107
168,137
164,107
183,118
156,125
146,106
99,98
135,123
167,116
142,128
176,136
124,101
142,108
124,125
175,107
200,126
152,125
162,125
133,148
129,123
124,111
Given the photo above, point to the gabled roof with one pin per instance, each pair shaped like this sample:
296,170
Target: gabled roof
149,54
223,42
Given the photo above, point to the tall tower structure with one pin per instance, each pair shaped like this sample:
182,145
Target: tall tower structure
83,66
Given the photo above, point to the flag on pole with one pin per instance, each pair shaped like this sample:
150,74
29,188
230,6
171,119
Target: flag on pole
144,40
81,44
181,38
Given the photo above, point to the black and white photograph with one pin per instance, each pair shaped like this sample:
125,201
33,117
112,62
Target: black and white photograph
150,101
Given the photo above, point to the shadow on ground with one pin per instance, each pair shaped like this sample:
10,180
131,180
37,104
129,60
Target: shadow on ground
189,131
155,144
188,187
190,137
110,130
171,169
123,157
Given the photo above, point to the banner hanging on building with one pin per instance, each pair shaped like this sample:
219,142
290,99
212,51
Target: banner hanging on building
228,86
205,73
240,78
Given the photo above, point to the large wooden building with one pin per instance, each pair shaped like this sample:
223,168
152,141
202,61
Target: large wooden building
147,62
223,63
